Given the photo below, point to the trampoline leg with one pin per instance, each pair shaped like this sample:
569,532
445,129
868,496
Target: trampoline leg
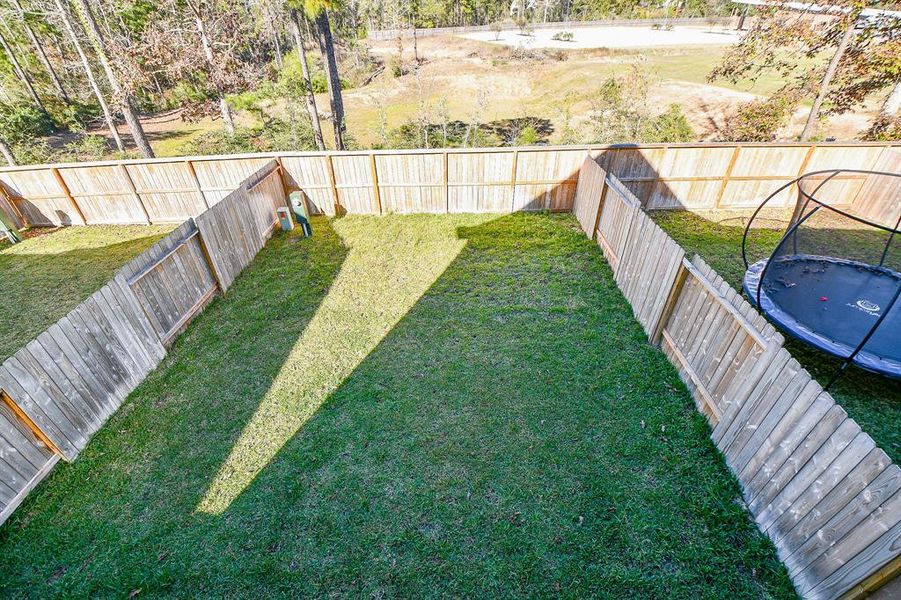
838,373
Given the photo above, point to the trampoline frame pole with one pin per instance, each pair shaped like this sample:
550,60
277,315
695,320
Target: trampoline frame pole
888,242
810,196
864,341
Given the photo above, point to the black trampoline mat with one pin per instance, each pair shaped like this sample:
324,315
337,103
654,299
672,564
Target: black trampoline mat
832,304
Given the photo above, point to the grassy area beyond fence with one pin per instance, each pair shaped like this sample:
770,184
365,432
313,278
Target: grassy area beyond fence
60,388
817,485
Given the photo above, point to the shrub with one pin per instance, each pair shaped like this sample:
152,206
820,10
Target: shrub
529,136
220,142
86,147
759,120
671,126
21,122
525,28
497,27
395,66
34,152
563,36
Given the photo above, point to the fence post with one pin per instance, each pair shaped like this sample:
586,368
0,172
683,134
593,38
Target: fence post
65,190
597,217
190,165
134,192
281,175
334,184
375,182
726,176
513,181
671,299
20,220
209,260
446,186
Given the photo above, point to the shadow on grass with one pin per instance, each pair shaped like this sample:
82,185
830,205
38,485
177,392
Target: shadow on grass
46,276
873,401
504,429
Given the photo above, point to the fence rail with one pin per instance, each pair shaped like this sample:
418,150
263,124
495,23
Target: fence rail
692,176
60,388
817,486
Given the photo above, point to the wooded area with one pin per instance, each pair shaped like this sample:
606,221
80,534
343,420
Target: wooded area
66,65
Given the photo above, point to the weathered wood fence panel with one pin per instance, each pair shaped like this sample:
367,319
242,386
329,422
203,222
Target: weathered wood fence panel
314,175
879,198
59,389
693,176
169,191
24,457
817,486
589,196
172,280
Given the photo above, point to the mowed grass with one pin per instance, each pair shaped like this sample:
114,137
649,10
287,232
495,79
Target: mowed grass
403,406
47,275
873,401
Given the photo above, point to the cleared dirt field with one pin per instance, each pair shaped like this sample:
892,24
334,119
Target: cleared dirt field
466,80
611,37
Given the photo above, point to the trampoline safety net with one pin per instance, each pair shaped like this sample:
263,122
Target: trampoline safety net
834,278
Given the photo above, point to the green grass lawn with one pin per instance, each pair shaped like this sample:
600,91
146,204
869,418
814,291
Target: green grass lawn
873,401
47,275
403,406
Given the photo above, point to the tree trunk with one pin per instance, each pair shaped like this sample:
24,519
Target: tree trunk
39,49
277,47
89,73
210,59
20,72
276,37
122,96
7,153
892,104
810,126
327,46
309,97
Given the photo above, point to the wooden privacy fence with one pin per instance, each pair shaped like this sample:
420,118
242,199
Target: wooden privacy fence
818,486
170,190
60,388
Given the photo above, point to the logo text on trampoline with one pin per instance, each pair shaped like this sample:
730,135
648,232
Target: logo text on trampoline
867,306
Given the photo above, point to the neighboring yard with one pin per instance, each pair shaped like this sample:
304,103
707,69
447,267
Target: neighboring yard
873,401
403,406
52,271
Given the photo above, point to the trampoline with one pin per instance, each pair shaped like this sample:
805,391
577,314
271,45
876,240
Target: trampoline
833,279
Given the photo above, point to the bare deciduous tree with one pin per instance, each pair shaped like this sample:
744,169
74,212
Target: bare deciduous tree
122,95
309,97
